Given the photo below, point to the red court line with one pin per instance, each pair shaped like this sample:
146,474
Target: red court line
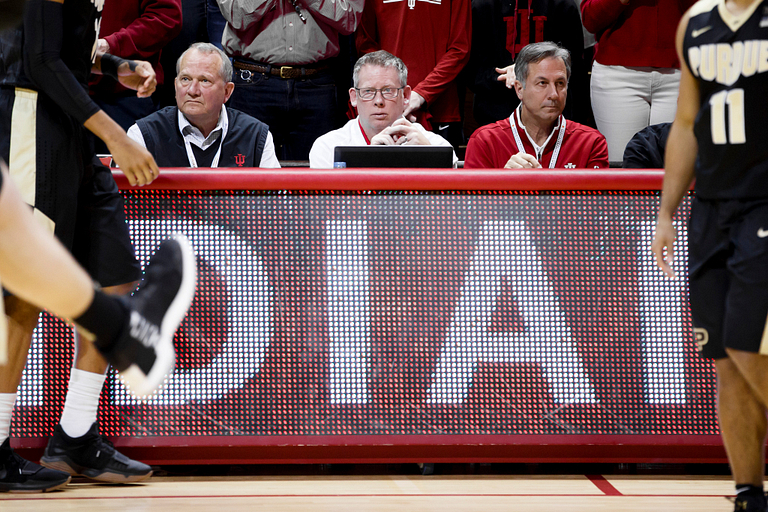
604,485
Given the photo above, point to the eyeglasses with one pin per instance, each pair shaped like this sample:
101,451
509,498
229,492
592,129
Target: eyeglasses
388,93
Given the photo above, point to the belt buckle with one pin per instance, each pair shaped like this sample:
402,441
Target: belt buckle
283,70
246,75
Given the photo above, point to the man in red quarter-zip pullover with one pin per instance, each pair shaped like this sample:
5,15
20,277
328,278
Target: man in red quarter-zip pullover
536,134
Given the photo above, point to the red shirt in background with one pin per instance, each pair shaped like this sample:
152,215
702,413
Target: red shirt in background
432,37
635,35
137,29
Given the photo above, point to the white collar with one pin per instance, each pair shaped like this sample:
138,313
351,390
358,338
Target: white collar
538,149
193,135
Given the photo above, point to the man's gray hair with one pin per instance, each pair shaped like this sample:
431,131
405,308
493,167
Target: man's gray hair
225,71
381,59
535,53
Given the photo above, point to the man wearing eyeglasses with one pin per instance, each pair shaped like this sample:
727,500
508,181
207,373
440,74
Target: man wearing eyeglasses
381,96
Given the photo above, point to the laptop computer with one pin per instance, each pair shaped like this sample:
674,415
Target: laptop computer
393,156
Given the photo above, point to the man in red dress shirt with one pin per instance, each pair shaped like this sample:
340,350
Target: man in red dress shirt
536,134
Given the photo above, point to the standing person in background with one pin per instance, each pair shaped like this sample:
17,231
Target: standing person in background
718,137
500,29
636,74
194,29
283,53
215,23
433,39
131,29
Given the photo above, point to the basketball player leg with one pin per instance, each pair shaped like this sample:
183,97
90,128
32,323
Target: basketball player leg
742,415
76,446
34,265
741,412
743,388
102,245
743,375
39,270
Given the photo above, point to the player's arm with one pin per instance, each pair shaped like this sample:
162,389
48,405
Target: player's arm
679,159
43,39
135,162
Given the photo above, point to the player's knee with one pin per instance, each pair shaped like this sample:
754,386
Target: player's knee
21,312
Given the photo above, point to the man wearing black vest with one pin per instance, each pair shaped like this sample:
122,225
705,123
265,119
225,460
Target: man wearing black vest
200,131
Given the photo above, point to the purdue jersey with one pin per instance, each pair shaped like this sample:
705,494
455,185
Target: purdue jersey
82,19
729,57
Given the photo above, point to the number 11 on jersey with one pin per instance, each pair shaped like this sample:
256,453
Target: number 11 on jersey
734,99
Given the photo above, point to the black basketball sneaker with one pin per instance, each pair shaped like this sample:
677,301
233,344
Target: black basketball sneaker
93,457
144,352
20,475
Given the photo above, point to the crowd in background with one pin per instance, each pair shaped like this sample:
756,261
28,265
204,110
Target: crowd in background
293,60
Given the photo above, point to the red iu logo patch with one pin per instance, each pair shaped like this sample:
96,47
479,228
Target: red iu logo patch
239,159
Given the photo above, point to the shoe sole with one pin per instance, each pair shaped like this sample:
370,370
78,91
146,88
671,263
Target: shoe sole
140,384
36,490
63,464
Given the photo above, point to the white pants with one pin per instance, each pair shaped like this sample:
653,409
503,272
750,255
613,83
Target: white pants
626,100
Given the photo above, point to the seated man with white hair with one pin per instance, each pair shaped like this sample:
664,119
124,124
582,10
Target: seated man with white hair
380,94
200,131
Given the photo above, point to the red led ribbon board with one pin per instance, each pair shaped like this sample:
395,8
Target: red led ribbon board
394,325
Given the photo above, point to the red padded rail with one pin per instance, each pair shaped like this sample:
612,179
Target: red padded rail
402,179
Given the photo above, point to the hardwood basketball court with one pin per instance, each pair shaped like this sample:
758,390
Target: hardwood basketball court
380,493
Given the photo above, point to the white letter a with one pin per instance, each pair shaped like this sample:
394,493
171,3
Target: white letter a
505,251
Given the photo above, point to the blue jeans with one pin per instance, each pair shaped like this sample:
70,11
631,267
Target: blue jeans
296,111
215,22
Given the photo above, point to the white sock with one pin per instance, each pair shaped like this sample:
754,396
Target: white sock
82,402
7,400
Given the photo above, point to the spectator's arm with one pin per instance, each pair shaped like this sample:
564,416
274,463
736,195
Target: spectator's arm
159,23
321,154
598,157
241,13
597,15
367,35
342,16
454,59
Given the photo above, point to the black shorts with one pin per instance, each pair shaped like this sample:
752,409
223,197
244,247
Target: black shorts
728,273
52,162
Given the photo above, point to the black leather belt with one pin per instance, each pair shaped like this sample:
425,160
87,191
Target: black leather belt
285,72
